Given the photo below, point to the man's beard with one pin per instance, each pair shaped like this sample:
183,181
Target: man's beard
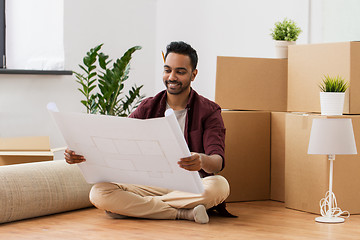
181,87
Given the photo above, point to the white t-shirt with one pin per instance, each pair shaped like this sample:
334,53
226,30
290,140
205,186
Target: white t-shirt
180,116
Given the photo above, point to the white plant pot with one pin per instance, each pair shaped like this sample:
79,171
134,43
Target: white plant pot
332,103
281,48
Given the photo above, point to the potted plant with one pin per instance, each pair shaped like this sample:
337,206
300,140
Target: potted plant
284,33
332,95
102,83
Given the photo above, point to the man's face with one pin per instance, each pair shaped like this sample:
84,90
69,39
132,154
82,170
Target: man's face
178,73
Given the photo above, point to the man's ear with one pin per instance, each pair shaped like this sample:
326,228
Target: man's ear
193,74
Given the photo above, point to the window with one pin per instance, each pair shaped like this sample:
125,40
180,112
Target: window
33,34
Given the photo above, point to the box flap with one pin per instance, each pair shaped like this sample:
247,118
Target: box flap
38,143
26,153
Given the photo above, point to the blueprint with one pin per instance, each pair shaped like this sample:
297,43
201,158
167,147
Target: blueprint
128,150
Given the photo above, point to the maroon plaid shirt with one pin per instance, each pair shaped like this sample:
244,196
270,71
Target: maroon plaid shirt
204,127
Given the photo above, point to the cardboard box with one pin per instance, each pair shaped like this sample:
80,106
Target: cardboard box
247,155
24,150
278,156
307,66
251,83
307,176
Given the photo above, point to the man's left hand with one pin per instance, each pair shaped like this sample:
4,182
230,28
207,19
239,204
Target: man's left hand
192,163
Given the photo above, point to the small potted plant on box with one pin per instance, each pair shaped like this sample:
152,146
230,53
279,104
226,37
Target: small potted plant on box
284,33
332,95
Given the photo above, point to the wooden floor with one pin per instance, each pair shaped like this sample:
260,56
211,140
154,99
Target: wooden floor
257,220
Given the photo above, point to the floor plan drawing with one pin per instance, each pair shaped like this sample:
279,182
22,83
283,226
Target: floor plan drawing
126,150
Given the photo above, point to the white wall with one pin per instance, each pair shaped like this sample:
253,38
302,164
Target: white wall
342,20
223,28
119,24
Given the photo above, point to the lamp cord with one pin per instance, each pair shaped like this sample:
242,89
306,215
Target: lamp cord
335,211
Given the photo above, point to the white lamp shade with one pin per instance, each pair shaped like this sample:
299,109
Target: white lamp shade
332,136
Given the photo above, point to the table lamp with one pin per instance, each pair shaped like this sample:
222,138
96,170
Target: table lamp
331,136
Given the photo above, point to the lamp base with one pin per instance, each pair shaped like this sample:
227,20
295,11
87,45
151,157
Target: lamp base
329,219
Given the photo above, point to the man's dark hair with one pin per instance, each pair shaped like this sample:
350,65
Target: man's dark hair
184,49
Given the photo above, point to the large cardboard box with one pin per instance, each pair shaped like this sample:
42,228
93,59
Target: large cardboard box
251,83
278,156
247,155
307,176
24,150
307,66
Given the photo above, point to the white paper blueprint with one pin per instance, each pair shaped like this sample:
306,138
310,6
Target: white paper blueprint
127,150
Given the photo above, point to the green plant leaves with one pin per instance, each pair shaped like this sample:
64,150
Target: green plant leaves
287,30
333,84
110,82
102,60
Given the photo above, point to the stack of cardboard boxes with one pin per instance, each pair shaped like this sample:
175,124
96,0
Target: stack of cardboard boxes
248,89
274,101
307,176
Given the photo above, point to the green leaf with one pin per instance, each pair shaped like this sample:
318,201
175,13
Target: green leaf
92,81
98,47
91,88
91,68
91,75
87,61
83,68
102,60
81,91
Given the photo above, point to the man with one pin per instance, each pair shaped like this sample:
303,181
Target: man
201,121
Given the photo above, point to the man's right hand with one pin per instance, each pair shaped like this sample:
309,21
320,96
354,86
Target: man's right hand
71,157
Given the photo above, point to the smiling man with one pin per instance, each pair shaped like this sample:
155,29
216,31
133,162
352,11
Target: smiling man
201,122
